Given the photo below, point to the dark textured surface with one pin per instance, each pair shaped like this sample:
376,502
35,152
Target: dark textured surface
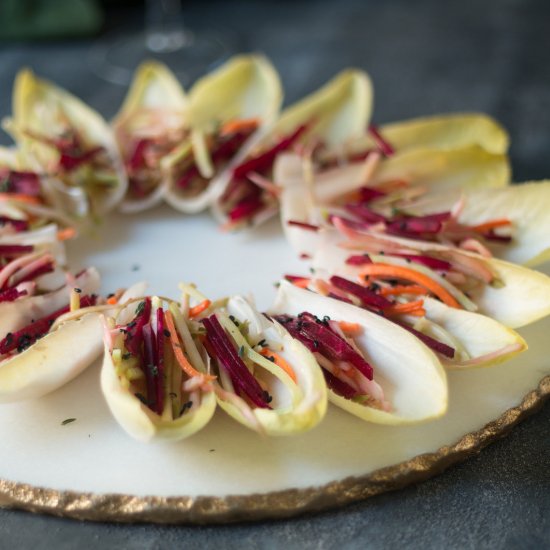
425,57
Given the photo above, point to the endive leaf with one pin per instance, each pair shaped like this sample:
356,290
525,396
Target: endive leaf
442,170
339,111
413,380
482,338
525,205
247,87
43,109
52,361
447,131
295,409
155,107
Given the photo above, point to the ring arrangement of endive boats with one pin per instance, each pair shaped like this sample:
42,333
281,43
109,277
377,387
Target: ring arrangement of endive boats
412,232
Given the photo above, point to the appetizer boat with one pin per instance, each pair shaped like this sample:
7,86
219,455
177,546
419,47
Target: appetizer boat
512,222
228,109
459,337
511,294
364,199
68,142
373,368
336,113
26,294
16,239
28,199
154,376
49,351
267,380
150,125
446,132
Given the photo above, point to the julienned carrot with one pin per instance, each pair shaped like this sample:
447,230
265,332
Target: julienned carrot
199,308
239,124
301,283
407,307
350,328
21,197
400,272
178,351
280,362
492,224
403,289
66,234
112,301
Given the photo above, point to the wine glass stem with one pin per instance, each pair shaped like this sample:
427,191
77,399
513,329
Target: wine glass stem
164,26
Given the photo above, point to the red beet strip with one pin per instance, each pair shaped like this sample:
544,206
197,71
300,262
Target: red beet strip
160,360
11,294
338,386
18,225
227,355
385,148
265,160
27,336
367,297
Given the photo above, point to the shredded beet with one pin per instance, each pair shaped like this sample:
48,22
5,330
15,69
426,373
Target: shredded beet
365,213
134,329
367,297
264,161
18,225
26,183
149,367
309,329
227,355
245,208
23,338
368,194
41,270
432,343
137,158
338,386
359,259
385,148
10,250
11,294
428,261
303,225
160,360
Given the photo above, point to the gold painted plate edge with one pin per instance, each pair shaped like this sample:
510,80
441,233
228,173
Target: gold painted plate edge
273,505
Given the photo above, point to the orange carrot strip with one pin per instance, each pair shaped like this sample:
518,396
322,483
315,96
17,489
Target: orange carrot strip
407,307
385,270
112,301
350,328
301,283
66,234
483,227
280,362
20,197
403,289
232,126
199,308
178,350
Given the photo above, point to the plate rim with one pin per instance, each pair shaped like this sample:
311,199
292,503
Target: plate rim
123,508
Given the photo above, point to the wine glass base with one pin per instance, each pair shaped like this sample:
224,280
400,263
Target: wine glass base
188,54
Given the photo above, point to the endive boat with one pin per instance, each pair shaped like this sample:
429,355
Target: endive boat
329,117
69,142
154,376
447,131
360,195
511,294
29,198
47,353
267,380
516,215
373,368
229,110
461,338
151,123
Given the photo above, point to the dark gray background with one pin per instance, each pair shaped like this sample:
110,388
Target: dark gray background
425,57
